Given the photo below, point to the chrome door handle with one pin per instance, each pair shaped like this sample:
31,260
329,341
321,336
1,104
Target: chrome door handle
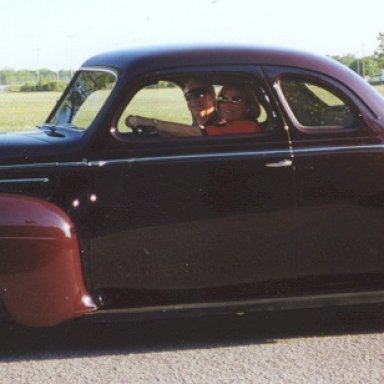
279,164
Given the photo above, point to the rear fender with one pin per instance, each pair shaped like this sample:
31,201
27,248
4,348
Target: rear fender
41,282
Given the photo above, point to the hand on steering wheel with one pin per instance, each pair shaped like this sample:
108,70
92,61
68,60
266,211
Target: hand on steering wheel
142,126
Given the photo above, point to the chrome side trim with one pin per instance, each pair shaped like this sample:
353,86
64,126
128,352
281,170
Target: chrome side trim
199,156
27,180
261,305
240,155
132,160
44,165
344,148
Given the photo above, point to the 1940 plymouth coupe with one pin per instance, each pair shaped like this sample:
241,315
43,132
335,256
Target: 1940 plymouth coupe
102,213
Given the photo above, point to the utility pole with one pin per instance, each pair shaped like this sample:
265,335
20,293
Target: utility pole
70,54
358,63
38,64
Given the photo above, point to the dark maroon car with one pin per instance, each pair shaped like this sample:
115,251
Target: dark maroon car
101,218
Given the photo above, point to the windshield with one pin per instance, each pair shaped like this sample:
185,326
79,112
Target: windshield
84,99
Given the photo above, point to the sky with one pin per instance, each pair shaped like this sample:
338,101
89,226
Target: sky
62,34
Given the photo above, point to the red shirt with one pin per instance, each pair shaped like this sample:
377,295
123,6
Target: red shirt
233,127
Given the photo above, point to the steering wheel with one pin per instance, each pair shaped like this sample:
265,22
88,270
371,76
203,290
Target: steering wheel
141,130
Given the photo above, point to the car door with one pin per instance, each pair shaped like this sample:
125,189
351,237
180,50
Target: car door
196,219
339,160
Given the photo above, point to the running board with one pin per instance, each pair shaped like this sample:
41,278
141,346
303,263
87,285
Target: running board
241,307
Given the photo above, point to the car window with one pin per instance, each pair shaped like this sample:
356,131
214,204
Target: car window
163,101
83,99
315,106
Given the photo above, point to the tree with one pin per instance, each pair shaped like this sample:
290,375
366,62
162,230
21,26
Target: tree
364,66
380,50
370,66
347,60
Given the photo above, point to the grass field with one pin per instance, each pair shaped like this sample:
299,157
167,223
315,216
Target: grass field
23,111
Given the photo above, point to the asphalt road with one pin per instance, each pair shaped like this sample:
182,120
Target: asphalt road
334,346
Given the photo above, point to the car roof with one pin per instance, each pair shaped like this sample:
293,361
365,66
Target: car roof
149,59
163,57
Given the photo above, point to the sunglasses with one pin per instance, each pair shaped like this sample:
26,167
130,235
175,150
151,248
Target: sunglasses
234,99
198,93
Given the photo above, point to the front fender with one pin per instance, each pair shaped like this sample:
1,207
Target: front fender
41,281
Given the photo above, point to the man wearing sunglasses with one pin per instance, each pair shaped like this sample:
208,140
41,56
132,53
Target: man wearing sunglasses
201,101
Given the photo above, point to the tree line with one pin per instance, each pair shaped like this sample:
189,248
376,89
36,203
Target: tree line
27,80
9,76
366,66
48,80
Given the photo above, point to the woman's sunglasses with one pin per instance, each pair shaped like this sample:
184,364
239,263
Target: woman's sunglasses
234,99
198,93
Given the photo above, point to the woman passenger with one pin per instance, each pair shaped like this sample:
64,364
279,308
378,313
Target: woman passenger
239,111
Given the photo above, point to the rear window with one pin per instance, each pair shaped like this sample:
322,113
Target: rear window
315,106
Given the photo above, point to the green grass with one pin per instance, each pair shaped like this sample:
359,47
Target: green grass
380,88
162,104
21,111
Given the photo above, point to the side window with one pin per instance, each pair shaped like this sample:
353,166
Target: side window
315,106
162,100
198,105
